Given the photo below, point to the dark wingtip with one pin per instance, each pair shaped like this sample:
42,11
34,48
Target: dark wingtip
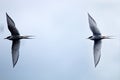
8,17
14,64
6,14
95,65
89,15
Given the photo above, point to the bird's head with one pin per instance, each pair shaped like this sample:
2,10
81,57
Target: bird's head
91,37
9,37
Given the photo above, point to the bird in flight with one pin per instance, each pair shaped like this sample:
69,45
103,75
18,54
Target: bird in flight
15,37
97,37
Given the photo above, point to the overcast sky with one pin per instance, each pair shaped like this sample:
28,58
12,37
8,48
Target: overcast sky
60,50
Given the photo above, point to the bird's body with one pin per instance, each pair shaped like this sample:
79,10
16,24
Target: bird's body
97,37
15,37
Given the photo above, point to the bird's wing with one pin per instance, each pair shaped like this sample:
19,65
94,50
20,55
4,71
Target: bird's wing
97,51
11,26
93,26
15,51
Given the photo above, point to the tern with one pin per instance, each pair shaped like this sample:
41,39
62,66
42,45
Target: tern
97,38
15,38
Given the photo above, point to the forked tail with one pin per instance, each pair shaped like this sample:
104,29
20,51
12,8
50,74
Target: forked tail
27,37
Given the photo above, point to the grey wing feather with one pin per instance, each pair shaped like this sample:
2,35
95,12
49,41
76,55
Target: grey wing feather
97,51
15,51
93,26
11,26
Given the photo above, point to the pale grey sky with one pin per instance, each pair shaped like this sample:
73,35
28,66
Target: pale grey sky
60,50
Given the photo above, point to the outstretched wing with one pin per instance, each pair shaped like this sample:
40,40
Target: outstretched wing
15,51
97,51
93,26
11,26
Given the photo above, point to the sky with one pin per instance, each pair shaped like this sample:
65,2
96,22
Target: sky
60,50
